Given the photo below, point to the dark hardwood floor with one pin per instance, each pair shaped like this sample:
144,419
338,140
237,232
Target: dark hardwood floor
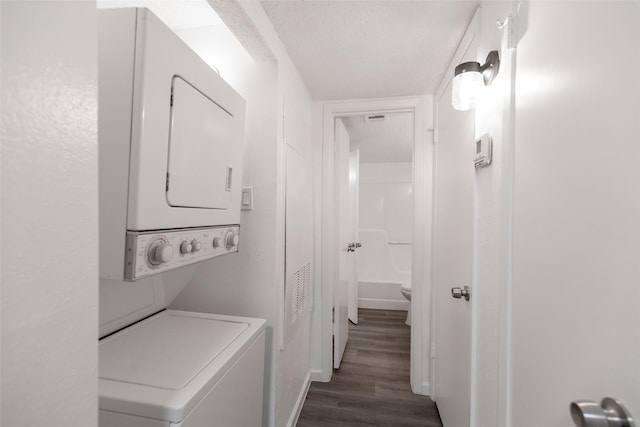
371,388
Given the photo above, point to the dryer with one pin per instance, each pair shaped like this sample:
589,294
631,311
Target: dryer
170,150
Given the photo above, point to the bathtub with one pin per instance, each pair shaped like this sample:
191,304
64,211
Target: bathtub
383,266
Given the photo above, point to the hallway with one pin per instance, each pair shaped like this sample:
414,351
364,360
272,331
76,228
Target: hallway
371,388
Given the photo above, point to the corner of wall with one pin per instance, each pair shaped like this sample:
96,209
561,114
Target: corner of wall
49,196
290,366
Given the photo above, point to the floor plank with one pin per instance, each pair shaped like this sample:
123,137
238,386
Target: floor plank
371,388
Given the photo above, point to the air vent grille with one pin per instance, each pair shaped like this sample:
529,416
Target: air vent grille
300,293
374,118
299,299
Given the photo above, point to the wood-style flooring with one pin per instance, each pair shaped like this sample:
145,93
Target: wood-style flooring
371,388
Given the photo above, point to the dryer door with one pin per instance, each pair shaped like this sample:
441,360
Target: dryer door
199,170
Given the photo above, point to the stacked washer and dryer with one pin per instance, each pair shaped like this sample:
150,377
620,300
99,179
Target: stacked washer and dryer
170,159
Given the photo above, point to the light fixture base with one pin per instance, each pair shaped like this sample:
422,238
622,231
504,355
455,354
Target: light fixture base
467,67
491,67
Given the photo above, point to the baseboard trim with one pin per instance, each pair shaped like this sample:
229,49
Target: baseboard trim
295,414
426,388
318,375
383,304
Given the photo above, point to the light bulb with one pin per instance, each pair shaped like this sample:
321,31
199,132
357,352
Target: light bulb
470,79
468,89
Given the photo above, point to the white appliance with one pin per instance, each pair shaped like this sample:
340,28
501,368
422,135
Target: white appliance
183,369
170,150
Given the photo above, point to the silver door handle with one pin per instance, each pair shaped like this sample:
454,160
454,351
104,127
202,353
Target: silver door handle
458,293
610,413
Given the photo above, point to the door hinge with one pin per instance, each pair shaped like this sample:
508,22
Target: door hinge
509,25
167,184
512,32
333,321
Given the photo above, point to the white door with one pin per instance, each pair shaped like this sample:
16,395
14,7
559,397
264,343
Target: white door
576,230
353,227
453,261
341,290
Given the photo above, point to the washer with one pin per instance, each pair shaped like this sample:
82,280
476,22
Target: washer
183,369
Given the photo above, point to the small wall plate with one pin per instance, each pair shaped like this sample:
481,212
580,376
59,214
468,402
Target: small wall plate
246,200
484,147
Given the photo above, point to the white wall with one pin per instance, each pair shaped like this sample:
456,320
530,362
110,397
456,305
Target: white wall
492,222
386,194
49,214
293,362
251,283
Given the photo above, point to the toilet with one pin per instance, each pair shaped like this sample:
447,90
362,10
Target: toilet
405,289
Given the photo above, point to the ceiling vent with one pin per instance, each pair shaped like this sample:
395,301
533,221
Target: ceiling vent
374,118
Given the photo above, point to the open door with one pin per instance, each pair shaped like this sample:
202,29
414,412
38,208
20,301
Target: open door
353,230
341,290
453,261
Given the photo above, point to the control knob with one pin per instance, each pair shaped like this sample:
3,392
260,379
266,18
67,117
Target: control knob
160,251
185,247
231,240
195,245
217,242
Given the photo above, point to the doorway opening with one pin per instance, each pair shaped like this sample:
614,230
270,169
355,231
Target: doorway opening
334,323
381,164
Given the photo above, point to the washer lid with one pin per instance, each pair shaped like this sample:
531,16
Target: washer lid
167,351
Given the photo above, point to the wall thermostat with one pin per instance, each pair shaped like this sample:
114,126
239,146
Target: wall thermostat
483,151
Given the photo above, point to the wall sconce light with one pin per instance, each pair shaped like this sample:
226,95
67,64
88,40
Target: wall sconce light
470,80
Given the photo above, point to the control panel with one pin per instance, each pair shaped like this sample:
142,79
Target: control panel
152,252
483,151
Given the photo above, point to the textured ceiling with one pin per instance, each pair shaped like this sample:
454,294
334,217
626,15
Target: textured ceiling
370,48
390,140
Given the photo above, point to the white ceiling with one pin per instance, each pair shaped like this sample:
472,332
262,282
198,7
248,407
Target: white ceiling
176,14
370,48
346,49
390,140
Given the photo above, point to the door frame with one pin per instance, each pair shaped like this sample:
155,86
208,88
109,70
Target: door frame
422,108
344,260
